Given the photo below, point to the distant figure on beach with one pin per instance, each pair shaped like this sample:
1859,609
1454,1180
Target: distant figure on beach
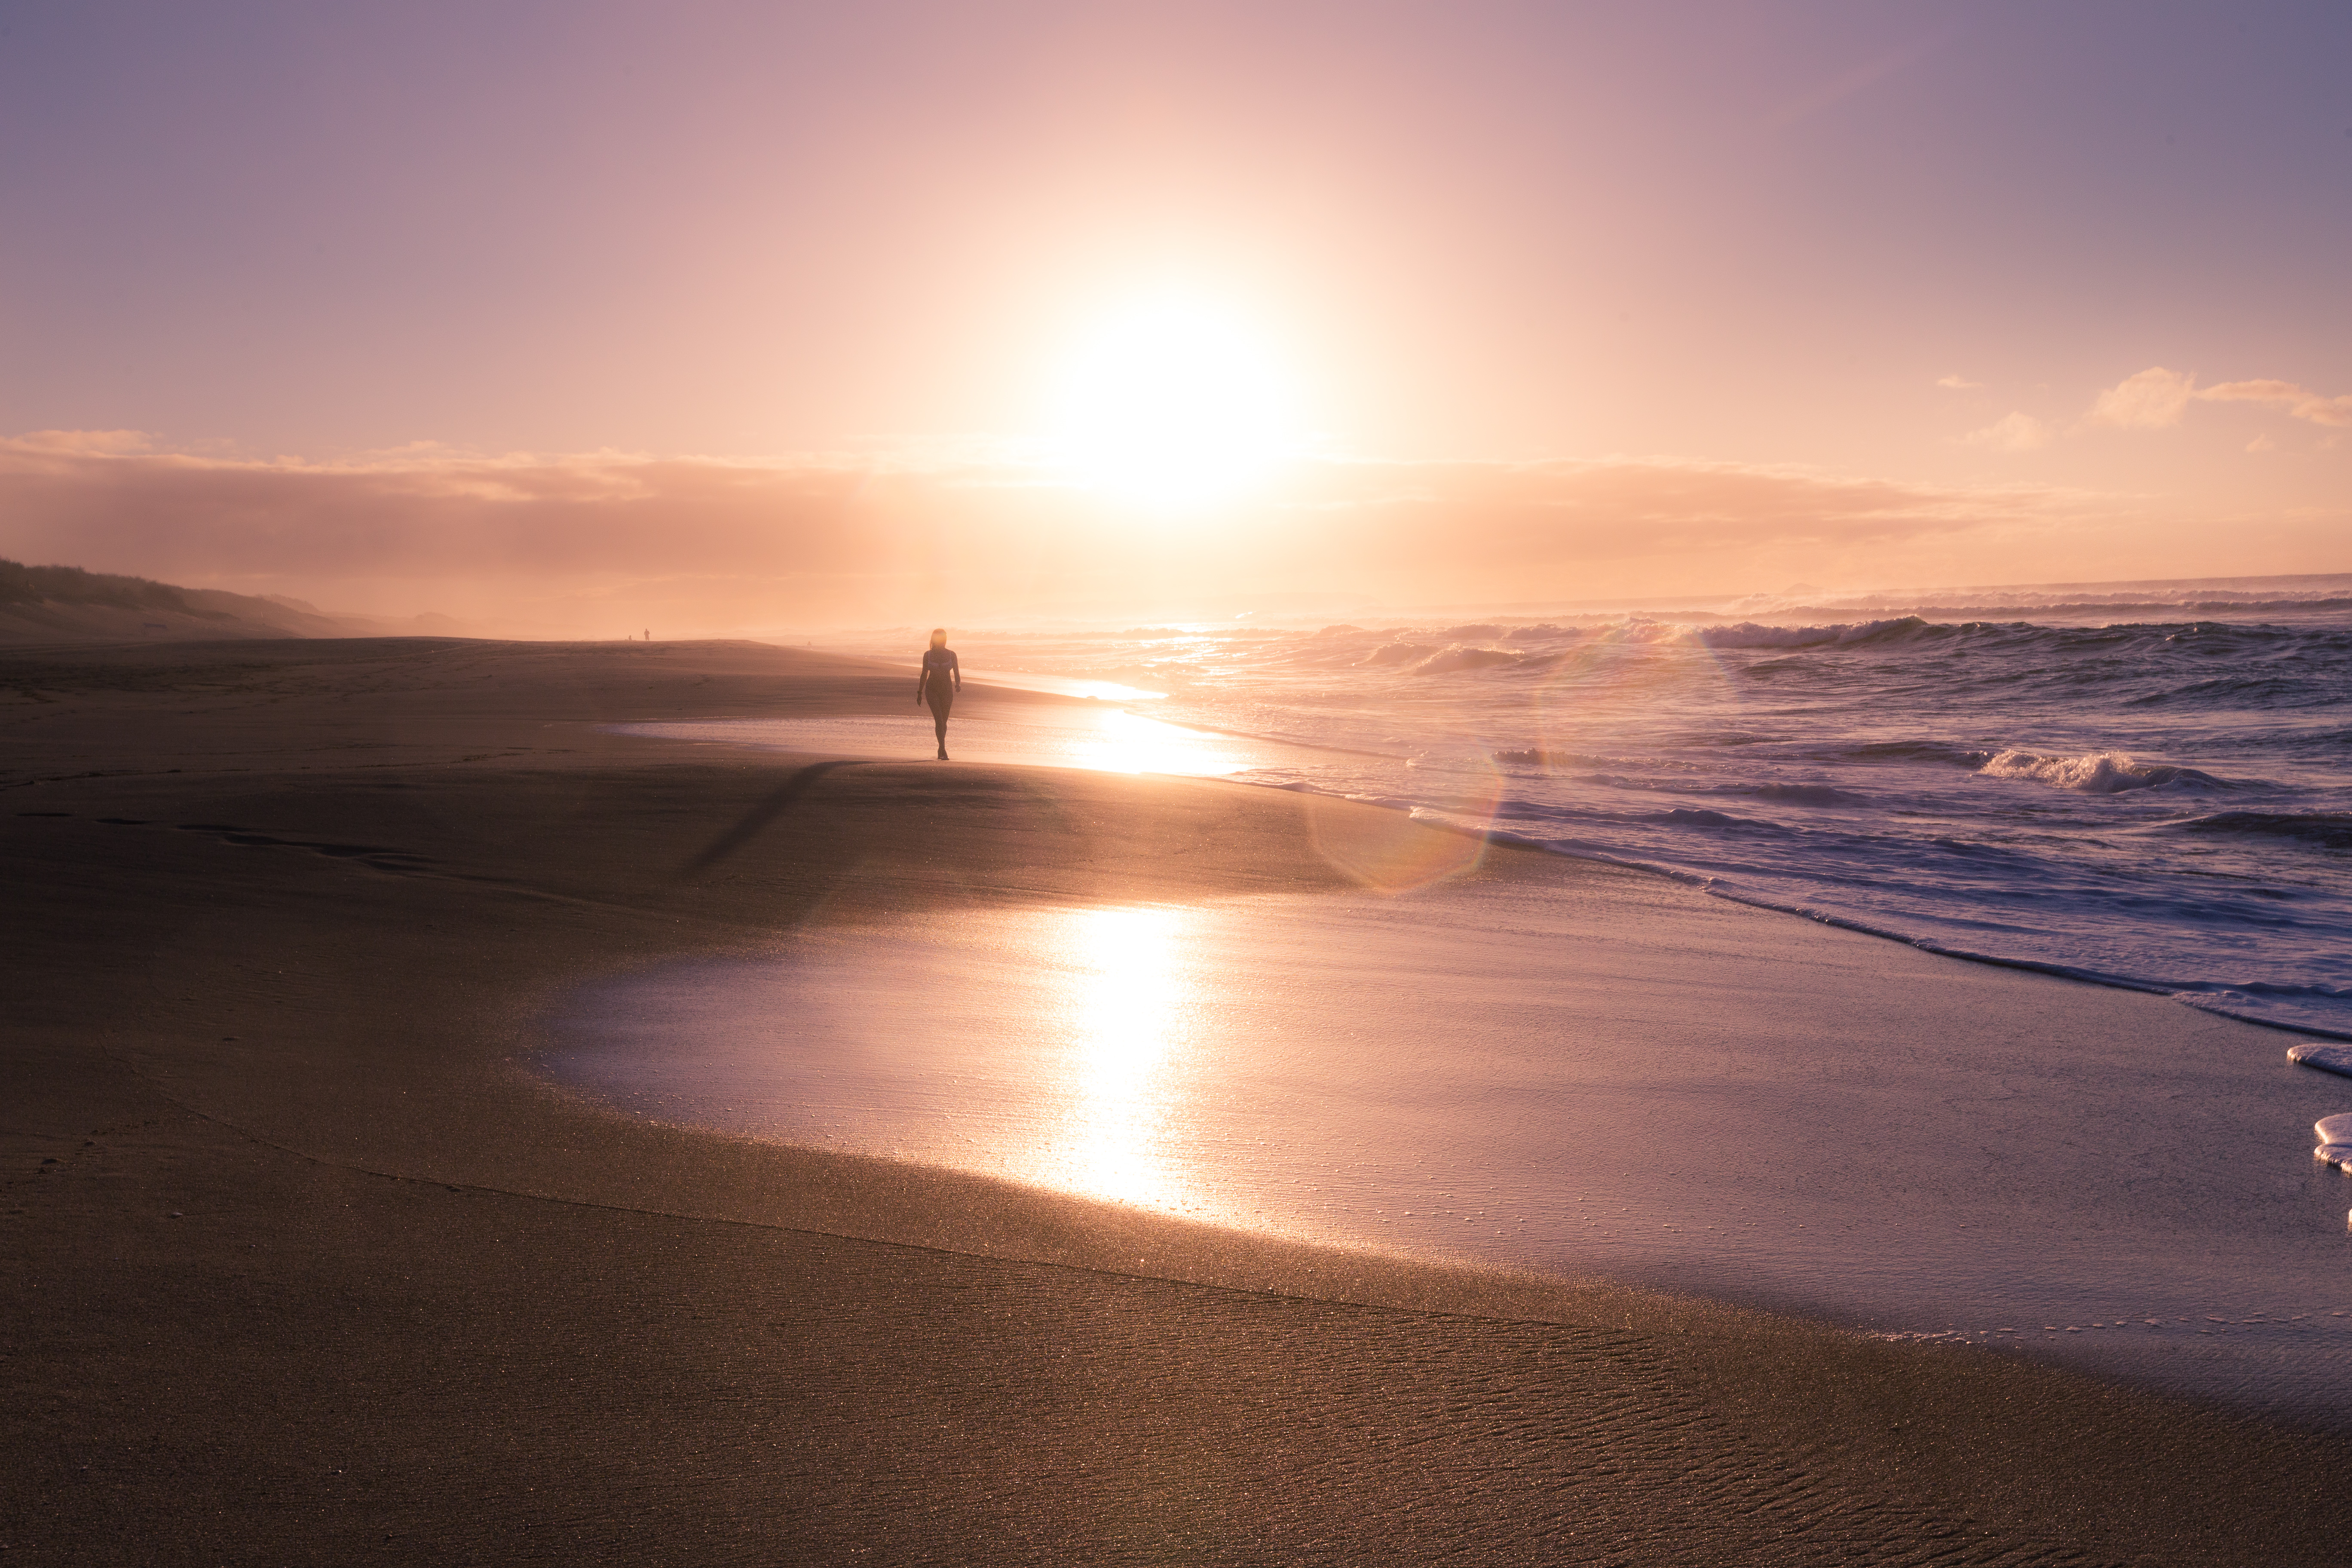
941,678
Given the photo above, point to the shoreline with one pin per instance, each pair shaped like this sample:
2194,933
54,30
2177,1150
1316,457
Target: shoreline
1779,1134
1711,885
346,964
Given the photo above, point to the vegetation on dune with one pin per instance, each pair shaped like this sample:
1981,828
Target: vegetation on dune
23,584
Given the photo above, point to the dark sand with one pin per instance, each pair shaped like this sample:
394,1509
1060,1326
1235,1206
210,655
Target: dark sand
320,1272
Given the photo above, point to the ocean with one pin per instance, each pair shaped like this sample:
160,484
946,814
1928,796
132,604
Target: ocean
2144,790
2150,788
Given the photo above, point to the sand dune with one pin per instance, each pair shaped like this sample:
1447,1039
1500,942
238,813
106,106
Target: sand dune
42,605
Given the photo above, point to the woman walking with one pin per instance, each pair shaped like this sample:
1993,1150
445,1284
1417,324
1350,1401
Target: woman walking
941,678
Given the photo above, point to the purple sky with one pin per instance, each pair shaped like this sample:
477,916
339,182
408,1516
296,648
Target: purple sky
1575,255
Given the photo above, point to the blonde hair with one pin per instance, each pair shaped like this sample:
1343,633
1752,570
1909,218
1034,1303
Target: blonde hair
939,637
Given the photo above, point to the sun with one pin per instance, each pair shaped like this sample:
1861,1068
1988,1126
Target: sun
1176,403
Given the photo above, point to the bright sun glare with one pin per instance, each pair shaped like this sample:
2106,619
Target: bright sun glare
1177,405
1131,1014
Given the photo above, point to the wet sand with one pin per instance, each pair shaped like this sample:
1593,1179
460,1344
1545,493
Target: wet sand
1604,1074
321,1270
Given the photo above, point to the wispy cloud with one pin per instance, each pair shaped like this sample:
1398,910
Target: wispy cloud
2015,431
1855,80
1959,383
114,442
2156,398
2301,402
2151,400
573,541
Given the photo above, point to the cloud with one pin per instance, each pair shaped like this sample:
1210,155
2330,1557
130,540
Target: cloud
1855,80
2151,400
1582,510
1960,383
2013,432
585,544
2157,397
2300,402
110,441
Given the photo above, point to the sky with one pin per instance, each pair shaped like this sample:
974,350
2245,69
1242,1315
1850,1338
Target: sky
566,317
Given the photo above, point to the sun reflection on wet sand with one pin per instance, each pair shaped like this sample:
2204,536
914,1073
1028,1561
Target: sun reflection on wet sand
1129,1006
1510,1078
1124,743
1097,737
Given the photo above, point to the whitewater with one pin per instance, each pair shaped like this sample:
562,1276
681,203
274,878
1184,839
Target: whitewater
2152,792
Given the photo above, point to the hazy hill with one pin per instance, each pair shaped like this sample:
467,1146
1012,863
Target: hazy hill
66,603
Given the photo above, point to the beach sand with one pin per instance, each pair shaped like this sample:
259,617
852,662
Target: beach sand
305,1264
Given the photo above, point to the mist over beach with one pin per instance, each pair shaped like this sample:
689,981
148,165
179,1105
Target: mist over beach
1176,785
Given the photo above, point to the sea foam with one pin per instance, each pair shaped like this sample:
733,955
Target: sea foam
2096,772
2327,1058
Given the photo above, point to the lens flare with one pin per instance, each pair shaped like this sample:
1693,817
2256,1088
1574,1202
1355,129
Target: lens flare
1389,851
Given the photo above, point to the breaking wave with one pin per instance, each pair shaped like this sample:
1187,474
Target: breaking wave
2098,772
2056,654
2159,802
